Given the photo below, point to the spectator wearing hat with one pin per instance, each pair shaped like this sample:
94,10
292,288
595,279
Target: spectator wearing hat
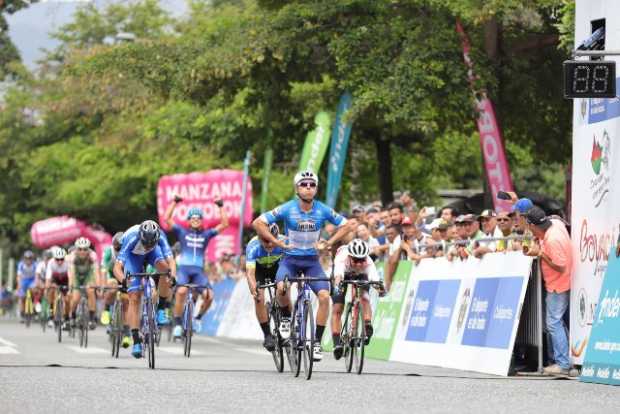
359,213
439,236
520,227
488,230
504,224
462,239
413,245
556,261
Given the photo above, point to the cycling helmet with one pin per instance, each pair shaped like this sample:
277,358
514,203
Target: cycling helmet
28,254
194,211
82,243
305,176
358,249
48,254
117,241
59,253
274,230
149,233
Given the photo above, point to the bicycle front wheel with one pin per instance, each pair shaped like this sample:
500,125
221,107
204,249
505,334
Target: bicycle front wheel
347,334
28,309
360,340
149,343
189,311
308,339
58,312
273,313
295,346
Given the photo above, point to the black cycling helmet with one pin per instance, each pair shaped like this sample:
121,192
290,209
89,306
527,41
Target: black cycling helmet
149,234
117,241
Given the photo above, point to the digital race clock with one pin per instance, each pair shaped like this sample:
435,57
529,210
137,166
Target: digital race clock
589,79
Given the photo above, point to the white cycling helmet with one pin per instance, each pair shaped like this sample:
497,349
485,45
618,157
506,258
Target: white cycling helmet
358,249
305,176
82,243
59,253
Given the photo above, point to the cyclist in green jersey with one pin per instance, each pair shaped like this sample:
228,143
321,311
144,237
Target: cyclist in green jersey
84,271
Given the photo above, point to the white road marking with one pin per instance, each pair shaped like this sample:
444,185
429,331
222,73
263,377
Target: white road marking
8,350
7,343
252,351
89,350
177,350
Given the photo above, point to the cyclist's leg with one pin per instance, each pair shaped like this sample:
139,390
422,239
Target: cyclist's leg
337,308
183,277
287,267
134,264
321,288
74,297
206,292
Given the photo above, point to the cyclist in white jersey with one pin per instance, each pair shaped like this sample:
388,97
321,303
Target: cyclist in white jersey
352,262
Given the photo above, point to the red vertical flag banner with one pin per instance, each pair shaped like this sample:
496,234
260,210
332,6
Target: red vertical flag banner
491,143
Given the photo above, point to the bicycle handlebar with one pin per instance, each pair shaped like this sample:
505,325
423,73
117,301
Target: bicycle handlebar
307,279
266,285
146,274
362,283
190,285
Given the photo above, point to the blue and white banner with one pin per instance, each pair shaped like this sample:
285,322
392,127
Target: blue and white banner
338,150
602,360
464,314
212,319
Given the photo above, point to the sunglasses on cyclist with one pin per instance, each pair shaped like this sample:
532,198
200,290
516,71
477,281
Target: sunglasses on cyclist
82,249
60,260
307,184
501,220
358,261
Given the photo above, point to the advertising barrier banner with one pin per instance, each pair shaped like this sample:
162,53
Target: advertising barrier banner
222,291
200,189
463,314
387,311
602,358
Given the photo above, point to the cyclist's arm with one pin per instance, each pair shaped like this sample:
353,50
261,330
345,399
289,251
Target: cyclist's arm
339,266
262,222
98,273
250,272
371,271
119,272
70,271
223,220
168,214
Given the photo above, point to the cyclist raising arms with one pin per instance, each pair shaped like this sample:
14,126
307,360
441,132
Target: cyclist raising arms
262,258
84,271
303,219
141,243
352,263
194,242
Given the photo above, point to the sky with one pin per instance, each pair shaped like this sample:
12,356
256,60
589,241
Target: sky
29,28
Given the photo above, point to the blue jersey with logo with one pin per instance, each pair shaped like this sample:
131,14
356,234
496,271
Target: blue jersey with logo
256,253
303,228
193,244
131,244
25,271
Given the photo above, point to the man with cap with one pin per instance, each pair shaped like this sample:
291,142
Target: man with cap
556,260
488,225
504,224
462,240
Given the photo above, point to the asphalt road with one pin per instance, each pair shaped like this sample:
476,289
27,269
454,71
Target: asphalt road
38,374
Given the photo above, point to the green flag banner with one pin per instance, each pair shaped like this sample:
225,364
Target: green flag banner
265,183
316,143
387,313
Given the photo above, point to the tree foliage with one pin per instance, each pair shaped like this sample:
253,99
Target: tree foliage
93,132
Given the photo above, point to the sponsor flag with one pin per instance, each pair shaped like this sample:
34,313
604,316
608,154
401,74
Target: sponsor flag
338,149
491,144
316,143
266,174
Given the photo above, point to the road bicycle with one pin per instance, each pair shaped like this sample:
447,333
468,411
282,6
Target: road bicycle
274,315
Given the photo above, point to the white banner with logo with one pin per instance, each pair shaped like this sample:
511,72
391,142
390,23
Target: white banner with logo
463,314
595,211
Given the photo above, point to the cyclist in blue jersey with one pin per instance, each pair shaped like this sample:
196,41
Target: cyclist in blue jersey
303,220
261,264
194,242
141,243
26,278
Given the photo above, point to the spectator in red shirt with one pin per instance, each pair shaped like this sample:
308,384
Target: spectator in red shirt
556,259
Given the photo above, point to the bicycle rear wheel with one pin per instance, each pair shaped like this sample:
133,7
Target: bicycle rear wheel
346,335
359,341
189,312
58,313
273,312
308,339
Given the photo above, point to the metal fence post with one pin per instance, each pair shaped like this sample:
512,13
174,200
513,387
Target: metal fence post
539,310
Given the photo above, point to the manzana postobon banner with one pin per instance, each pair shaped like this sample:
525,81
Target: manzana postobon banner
316,143
338,149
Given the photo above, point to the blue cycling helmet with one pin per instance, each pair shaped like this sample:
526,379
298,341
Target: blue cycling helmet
194,211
